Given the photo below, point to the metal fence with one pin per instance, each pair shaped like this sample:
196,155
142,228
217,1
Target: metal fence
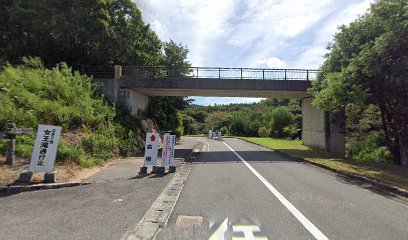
225,73
107,71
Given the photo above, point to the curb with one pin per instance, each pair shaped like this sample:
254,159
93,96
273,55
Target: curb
41,186
157,216
362,179
44,186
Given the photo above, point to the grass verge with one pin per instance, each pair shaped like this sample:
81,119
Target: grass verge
386,173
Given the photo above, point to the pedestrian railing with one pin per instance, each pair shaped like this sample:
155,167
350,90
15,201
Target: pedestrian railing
219,73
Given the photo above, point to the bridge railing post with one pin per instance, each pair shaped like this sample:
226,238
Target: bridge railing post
307,75
263,74
197,72
285,75
118,71
241,73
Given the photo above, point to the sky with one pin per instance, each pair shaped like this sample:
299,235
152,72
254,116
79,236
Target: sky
250,33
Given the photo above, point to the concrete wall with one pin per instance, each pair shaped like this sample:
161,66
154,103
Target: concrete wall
319,130
109,87
313,125
133,101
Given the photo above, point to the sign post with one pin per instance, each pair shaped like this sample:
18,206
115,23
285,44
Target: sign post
150,156
11,134
169,142
44,153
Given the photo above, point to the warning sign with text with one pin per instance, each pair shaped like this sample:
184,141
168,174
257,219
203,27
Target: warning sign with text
169,141
45,149
152,142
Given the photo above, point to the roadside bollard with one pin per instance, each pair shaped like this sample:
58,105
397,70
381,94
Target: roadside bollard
143,170
172,169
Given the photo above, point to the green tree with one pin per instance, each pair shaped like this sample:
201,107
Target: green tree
92,32
367,64
190,125
165,110
281,118
238,123
218,120
175,56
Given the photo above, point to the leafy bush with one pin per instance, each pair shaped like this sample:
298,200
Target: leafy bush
102,142
70,152
31,94
281,118
263,132
370,148
224,130
291,131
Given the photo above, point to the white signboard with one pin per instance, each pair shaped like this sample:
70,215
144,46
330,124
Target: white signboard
45,149
152,142
169,142
209,133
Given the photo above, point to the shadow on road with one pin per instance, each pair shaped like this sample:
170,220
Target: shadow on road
220,157
249,156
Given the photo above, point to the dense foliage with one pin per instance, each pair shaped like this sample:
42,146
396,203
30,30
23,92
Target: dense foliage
92,129
92,32
366,67
167,110
270,117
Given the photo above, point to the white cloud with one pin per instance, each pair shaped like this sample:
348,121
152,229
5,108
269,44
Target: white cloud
271,62
312,57
199,24
251,33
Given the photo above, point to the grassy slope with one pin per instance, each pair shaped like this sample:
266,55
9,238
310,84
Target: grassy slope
387,173
93,130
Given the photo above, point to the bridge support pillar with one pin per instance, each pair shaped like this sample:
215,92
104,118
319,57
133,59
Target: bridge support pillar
132,100
321,130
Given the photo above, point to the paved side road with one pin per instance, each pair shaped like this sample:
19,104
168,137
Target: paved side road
103,210
239,189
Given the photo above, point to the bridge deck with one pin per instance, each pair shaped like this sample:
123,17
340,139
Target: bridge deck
181,86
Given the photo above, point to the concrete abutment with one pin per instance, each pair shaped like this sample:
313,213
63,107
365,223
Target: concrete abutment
133,101
320,130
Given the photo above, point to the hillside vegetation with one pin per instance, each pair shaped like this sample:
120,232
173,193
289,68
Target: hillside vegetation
279,118
93,129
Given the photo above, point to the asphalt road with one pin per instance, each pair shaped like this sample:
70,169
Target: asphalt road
285,199
103,210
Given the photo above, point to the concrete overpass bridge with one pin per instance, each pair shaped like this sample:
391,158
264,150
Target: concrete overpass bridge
131,87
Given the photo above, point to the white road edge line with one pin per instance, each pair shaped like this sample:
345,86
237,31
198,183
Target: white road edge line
298,215
208,145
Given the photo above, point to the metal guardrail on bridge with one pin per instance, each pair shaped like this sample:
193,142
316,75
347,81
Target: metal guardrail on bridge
224,73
